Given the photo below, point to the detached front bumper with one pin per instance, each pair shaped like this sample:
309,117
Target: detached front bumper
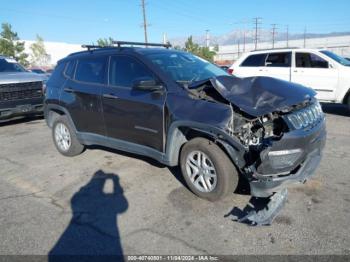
266,180
10,109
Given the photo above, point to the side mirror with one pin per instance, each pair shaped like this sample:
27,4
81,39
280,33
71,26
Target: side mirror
147,84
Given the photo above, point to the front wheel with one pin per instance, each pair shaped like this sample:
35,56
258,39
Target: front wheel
65,138
207,170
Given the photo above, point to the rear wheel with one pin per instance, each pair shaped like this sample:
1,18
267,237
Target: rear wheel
65,138
348,102
207,170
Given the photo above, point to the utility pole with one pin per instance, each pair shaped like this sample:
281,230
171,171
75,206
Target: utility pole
305,37
207,39
238,48
287,36
144,20
244,40
165,38
274,33
257,22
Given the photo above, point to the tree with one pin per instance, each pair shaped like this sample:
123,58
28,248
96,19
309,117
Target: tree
11,46
39,56
105,41
190,46
201,51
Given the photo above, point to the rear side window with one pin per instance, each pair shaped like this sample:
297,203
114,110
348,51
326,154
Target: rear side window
70,69
254,60
124,70
57,79
309,60
279,59
91,70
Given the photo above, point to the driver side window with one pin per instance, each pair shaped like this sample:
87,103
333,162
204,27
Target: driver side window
124,70
309,60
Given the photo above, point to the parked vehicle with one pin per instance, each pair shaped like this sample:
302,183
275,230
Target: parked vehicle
38,71
41,72
21,92
325,72
224,67
49,71
179,109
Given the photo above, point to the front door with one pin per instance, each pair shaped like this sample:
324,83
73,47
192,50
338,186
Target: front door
132,115
315,72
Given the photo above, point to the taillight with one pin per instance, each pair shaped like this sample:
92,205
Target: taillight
230,71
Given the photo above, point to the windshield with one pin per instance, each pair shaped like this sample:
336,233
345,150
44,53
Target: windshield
185,68
10,65
339,59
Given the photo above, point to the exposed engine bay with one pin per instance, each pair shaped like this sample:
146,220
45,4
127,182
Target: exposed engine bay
250,130
260,118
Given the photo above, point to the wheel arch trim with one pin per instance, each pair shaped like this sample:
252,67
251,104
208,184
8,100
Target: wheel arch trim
177,138
56,109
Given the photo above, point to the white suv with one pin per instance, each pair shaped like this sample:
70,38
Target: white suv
325,72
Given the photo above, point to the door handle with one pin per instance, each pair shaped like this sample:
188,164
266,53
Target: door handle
69,90
111,96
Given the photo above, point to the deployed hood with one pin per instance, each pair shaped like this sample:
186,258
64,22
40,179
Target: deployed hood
20,77
259,96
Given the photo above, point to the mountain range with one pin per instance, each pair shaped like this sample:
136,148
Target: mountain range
238,36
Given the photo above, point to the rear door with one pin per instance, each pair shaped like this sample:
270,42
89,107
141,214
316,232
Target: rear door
132,115
313,71
278,65
81,94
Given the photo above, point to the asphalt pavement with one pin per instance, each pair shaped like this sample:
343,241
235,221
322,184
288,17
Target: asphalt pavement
108,202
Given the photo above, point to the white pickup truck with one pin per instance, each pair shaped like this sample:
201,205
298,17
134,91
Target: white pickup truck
325,72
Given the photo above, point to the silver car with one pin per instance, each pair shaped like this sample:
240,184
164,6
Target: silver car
21,92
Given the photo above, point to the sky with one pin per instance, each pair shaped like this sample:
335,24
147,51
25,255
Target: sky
84,21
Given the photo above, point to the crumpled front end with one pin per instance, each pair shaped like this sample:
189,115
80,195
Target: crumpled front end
283,148
281,126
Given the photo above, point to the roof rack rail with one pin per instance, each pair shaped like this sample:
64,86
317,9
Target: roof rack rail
89,47
120,43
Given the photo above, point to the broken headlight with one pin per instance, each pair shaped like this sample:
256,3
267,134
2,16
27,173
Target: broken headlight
284,158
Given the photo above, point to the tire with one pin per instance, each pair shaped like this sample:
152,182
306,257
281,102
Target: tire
348,102
226,173
71,146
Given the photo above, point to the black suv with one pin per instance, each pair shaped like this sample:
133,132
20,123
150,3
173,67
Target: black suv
179,109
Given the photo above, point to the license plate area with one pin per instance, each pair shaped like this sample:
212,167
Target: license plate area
24,108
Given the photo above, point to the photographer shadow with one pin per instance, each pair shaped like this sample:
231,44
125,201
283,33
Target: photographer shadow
93,229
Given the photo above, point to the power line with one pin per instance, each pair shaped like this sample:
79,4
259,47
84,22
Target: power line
144,20
257,22
274,33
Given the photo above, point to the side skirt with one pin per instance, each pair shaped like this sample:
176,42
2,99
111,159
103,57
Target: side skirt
93,139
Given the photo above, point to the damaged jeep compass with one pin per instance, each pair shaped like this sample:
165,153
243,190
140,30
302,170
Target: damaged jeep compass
179,109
